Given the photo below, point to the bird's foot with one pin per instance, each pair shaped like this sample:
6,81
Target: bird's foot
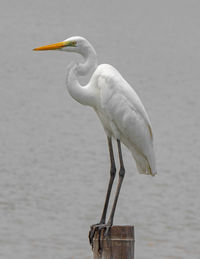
99,228
107,230
93,229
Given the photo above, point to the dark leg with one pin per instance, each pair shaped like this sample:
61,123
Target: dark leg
121,177
112,177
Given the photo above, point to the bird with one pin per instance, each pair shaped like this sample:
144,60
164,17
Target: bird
119,109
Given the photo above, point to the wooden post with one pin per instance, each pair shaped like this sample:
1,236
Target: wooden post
119,245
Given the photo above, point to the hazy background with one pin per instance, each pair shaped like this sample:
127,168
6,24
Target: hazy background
54,165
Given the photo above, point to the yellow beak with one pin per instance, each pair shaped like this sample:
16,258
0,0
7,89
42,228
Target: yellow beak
58,45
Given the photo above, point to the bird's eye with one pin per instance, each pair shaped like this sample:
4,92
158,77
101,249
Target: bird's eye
73,43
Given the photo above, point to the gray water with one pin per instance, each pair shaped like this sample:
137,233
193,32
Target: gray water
54,165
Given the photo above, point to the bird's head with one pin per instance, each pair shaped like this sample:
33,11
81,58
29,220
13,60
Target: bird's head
72,44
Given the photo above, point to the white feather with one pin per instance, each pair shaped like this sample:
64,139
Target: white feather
123,116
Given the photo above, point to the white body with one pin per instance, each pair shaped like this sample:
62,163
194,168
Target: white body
123,115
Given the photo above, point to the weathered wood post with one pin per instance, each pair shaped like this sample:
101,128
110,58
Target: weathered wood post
119,245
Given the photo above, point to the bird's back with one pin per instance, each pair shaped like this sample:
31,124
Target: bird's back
123,116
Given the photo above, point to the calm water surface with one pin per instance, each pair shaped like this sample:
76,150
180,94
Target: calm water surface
53,157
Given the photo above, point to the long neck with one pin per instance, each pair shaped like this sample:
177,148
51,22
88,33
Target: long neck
82,94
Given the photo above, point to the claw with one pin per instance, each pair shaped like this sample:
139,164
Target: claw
99,228
96,227
91,235
99,242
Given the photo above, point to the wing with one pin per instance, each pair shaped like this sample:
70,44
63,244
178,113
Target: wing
127,117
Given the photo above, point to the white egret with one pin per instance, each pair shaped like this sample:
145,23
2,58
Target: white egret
119,109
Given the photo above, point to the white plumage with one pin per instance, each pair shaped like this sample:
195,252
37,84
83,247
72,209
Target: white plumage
123,116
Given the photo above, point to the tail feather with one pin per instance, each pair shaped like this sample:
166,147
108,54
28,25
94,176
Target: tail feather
143,165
